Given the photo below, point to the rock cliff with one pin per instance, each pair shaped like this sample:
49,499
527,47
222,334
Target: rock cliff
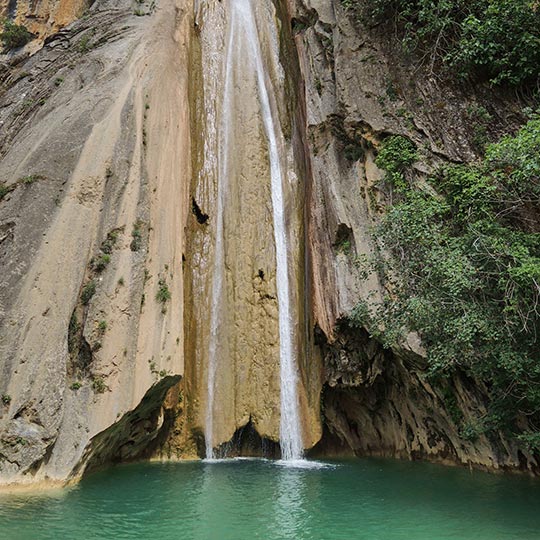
107,240
359,88
44,17
95,161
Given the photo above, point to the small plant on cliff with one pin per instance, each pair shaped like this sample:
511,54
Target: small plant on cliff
88,291
4,190
30,179
102,327
98,385
163,294
84,44
75,386
14,35
136,234
100,263
108,244
6,399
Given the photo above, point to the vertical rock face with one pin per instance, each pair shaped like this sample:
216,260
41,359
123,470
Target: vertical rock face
358,90
138,241
43,17
232,324
95,168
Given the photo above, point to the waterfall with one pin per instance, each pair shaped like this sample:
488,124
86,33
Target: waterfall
243,48
219,251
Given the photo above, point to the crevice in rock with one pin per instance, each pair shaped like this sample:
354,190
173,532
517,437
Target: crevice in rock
344,239
201,217
12,9
304,21
80,351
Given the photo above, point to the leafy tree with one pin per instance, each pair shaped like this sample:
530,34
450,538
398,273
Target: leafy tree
14,35
466,254
496,40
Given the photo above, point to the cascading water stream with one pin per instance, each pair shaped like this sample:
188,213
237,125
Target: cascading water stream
219,251
243,47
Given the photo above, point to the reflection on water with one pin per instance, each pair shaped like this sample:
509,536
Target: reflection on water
246,499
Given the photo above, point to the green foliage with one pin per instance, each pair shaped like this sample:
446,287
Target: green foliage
6,399
102,327
88,291
531,439
397,154
136,235
84,44
98,385
468,260
163,294
345,247
100,263
75,386
73,331
500,40
108,244
4,190
493,39
14,35
28,179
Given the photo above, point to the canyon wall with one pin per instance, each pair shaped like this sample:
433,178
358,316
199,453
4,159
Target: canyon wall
359,88
233,322
109,203
43,17
95,168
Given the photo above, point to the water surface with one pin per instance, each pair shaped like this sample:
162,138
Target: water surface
244,500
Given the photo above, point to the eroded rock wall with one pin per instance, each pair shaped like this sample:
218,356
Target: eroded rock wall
43,17
231,229
95,169
359,89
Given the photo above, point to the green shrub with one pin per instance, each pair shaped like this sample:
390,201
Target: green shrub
75,386
100,263
486,39
6,399
468,261
163,294
136,235
531,439
396,155
108,244
14,35
29,179
98,385
88,292
4,190
84,44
